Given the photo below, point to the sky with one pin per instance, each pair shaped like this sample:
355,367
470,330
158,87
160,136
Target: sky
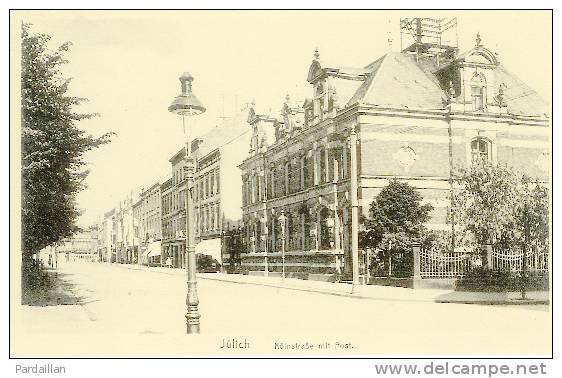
127,64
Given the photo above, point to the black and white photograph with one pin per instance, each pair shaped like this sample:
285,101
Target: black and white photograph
281,183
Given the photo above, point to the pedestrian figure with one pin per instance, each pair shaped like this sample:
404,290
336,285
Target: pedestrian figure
338,269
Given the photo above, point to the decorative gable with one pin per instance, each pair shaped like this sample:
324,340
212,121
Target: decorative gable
479,56
314,72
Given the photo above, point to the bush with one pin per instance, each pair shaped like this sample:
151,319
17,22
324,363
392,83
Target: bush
34,280
485,280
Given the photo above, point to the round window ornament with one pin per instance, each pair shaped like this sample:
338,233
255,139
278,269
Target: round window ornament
406,157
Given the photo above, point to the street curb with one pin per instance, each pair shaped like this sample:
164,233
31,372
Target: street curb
348,295
502,302
309,290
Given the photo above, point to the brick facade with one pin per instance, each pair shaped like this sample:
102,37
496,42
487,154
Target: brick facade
411,124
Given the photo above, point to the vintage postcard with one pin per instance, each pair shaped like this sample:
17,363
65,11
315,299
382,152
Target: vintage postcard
254,183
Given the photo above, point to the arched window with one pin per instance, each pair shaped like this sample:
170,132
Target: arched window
478,92
480,149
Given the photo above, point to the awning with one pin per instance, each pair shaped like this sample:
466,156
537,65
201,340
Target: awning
154,249
210,247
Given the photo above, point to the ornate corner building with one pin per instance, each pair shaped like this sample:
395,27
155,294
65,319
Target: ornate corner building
416,114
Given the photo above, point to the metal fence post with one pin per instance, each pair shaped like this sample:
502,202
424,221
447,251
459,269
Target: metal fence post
416,252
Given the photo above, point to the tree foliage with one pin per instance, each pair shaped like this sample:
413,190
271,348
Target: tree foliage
396,218
497,205
53,168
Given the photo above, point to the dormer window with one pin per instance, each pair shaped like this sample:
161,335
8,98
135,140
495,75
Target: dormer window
319,102
478,92
480,149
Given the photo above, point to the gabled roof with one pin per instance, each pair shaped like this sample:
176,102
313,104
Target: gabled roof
345,89
518,96
397,81
219,136
214,139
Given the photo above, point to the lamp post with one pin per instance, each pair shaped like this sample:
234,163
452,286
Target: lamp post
354,210
266,229
282,220
186,104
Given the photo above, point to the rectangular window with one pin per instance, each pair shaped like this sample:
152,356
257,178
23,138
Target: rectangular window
243,192
347,162
219,218
323,166
339,158
258,187
478,98
206,186
271,186
302,165
279,181
279,185
329,166
289,186
308,171
217,179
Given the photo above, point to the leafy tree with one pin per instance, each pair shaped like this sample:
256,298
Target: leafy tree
531,223
495,203
499,206
484,204
53,147
396,218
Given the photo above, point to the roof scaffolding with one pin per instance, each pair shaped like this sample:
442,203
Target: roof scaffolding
429,37
428,31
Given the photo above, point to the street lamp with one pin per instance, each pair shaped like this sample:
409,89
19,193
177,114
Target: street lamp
354,210
282,220
186,104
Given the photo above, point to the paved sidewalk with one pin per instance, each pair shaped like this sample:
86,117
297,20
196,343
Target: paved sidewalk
380,293
507,298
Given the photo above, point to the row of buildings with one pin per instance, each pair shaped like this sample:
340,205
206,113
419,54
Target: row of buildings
413,115
148,227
